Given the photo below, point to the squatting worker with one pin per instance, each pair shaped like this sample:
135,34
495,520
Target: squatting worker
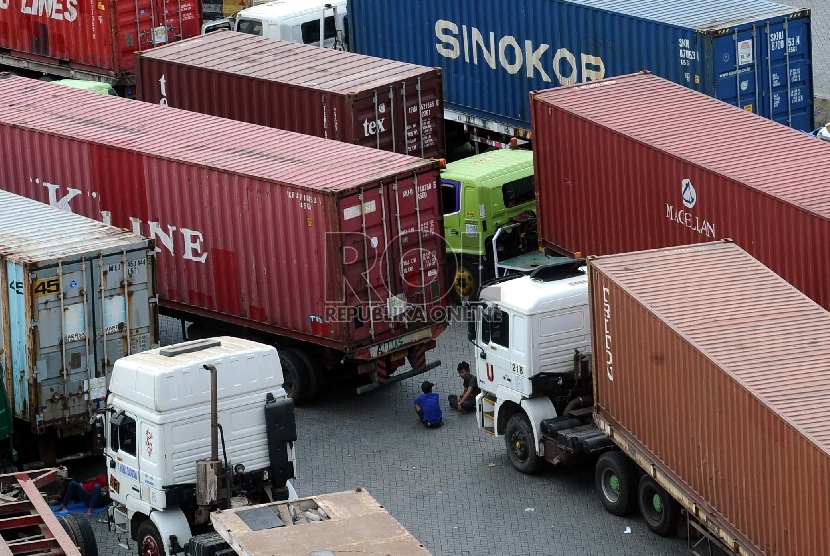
467,400
428,407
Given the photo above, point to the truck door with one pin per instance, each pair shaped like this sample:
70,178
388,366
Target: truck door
495,366
124,467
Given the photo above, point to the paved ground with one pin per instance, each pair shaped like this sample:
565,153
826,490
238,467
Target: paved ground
821,41
453,487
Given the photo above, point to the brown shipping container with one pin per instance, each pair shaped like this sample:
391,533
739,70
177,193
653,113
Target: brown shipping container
317,91
255,226
637,162
716,370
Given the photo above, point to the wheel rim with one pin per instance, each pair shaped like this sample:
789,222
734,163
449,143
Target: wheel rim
654,505
610,486
519,446
464,282
149,547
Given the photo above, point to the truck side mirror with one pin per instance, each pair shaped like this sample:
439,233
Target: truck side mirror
100,433
471,328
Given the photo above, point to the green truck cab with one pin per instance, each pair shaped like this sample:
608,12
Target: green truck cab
481,194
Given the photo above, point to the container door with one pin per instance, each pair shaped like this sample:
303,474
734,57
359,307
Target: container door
766,70
787,74
418,252
19,327
123,313
369,284
64,360
149,23
737,64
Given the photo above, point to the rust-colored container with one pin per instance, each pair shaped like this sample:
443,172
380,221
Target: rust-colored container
91,40
328,93
255,226
716,369
637,162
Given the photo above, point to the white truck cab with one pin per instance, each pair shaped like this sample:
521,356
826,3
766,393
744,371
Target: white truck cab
158,425
303,21
530,334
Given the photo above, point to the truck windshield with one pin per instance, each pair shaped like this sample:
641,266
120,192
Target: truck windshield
249,26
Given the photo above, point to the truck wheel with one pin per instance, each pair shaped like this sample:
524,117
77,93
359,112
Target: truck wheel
82,534
149,540
616,480
466,281
299,381
660,511
520,443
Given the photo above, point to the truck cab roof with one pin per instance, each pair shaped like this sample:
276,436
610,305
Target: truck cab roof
280,9
528,296
173,378
489,166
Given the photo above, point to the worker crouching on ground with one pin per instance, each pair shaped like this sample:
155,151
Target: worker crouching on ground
466,402
428,406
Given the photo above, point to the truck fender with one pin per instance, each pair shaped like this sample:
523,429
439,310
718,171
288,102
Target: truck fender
537,410
171,522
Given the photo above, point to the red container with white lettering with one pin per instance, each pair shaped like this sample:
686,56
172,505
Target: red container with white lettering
90,39
637,162
287,85
334,249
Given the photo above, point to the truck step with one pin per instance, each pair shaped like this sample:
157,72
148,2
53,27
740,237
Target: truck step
488,415
489,400
490,430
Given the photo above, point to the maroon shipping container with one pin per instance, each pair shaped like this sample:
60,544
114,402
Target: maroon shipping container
637,162
90,40
715,370
254,226
317,91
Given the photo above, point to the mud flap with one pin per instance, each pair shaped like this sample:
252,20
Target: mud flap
281,429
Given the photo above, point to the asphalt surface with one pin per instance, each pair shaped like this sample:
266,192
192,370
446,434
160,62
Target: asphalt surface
453,487
820,26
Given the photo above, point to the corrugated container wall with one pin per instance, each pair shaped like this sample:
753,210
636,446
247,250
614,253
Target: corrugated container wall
317,91
717,370
620,168
494,53
90,290
93,37
263,228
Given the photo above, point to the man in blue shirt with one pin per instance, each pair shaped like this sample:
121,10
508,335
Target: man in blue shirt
428,407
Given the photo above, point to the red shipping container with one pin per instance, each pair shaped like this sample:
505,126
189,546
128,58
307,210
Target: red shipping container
90,40
317,91
715,370
637,162
254,226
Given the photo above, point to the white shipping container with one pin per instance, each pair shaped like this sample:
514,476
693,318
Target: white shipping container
77,294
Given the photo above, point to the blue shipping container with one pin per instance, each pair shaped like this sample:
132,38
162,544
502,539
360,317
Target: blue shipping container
749,53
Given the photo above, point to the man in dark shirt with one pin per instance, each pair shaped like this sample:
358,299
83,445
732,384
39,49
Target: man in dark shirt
467,400
428,407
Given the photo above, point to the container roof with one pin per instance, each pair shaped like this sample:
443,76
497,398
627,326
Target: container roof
491,164
708,133
287,62
31,231
743,317
700,15
281,8
229,146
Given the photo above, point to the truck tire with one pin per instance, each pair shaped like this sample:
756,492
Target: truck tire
616,479
521,444
466,281
660,511
149,540
82,534
298,376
